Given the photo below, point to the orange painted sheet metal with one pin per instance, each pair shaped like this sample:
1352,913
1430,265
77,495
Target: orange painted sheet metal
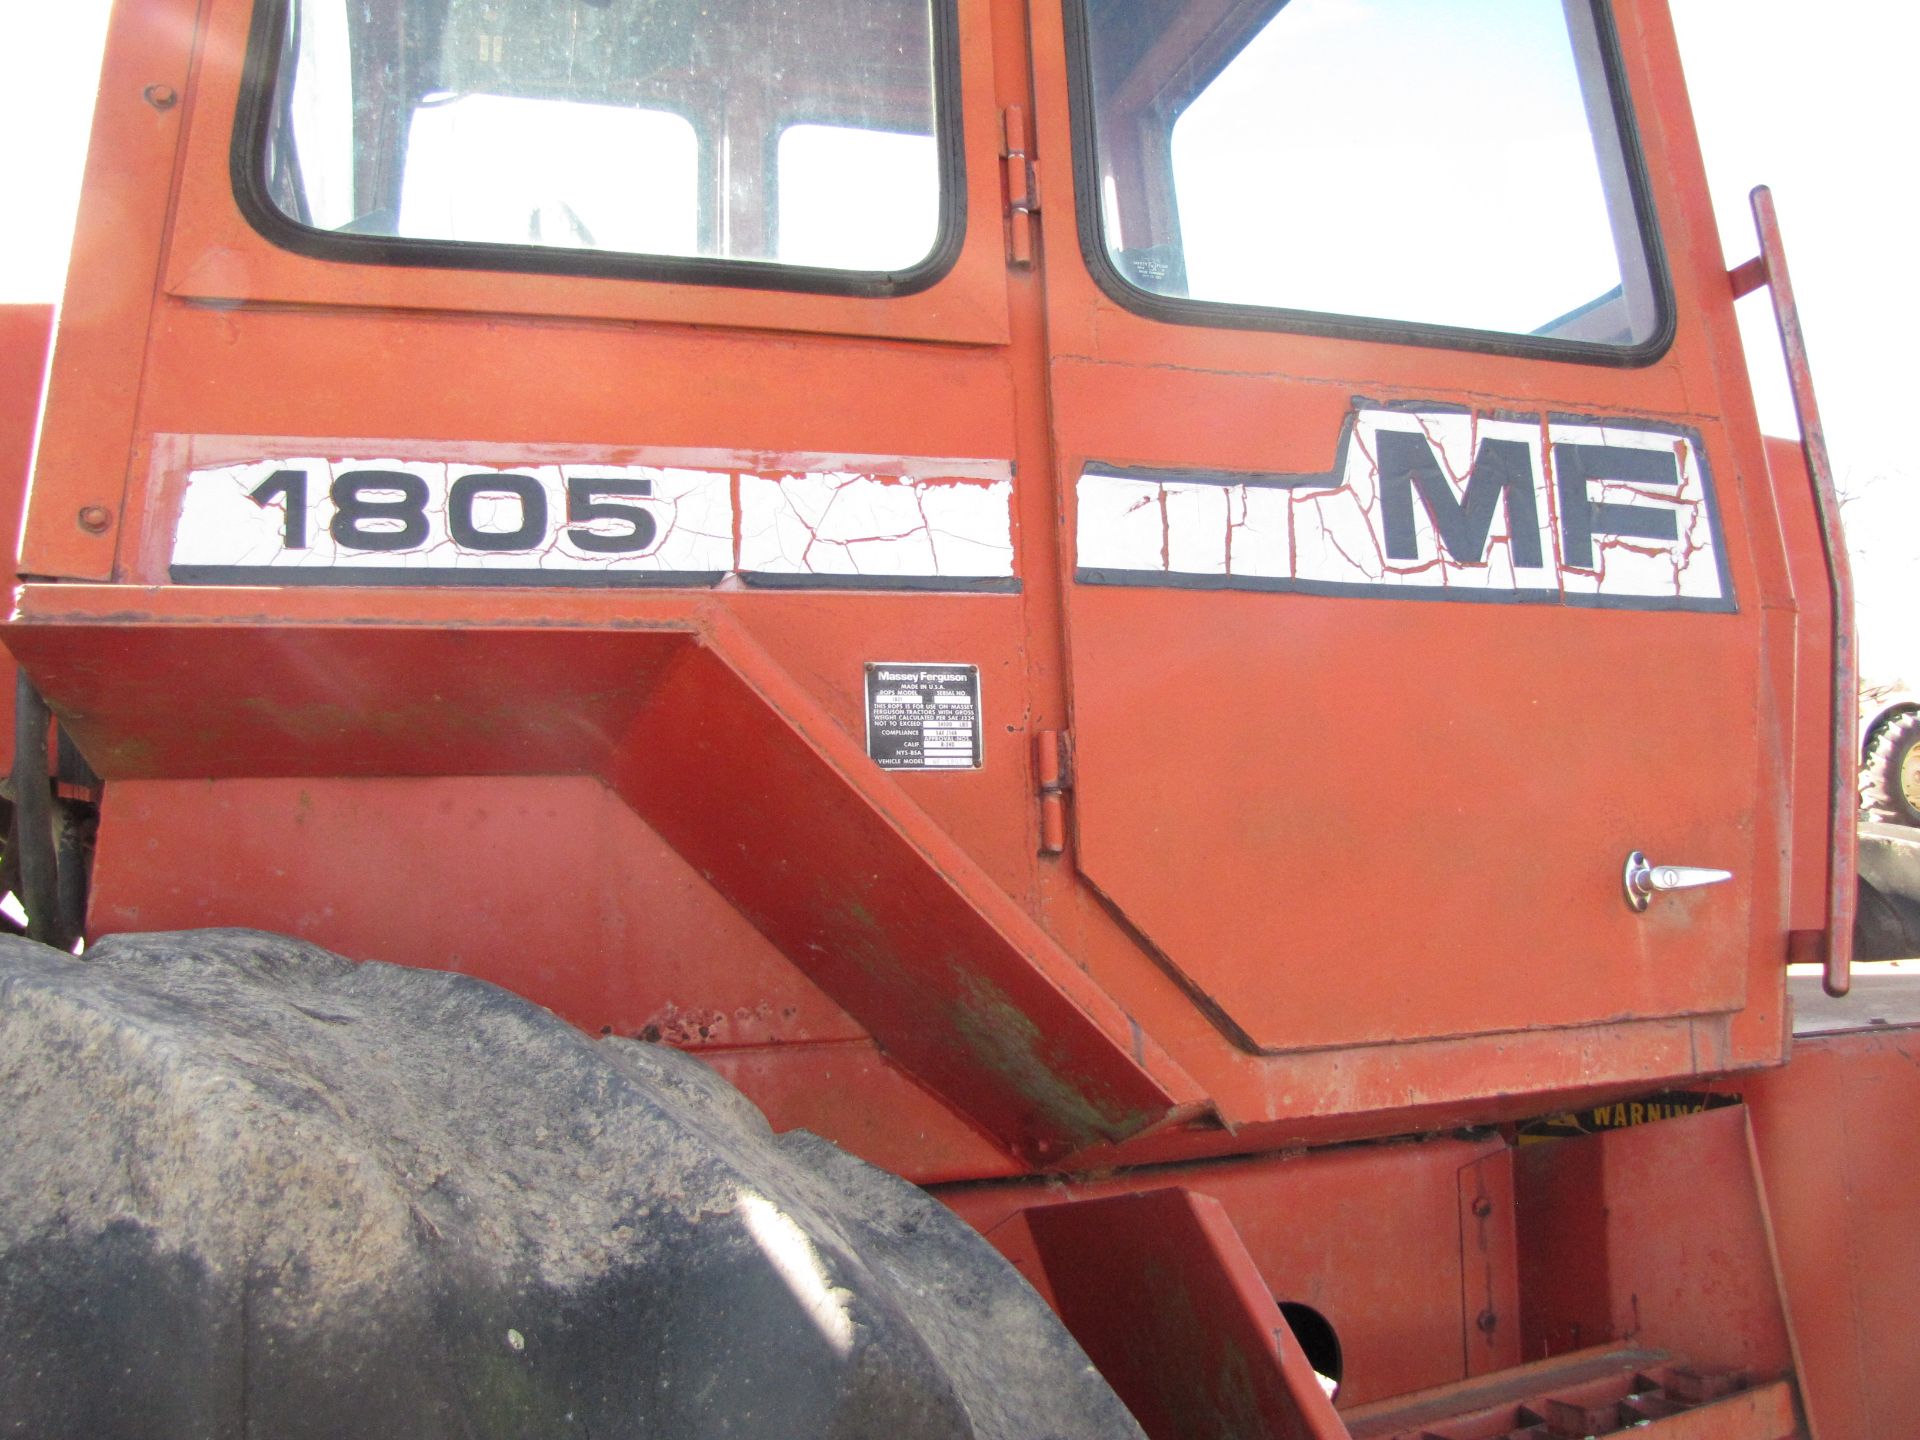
554,887
1658,1233
737,768
25,332
548,885
1834,1133
1463,1283
1163,1296
1369,1237
94,395
771,801
1395,832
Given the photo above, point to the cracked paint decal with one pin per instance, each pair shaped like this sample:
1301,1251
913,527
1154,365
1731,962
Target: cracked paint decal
839,523
830,521
1431,503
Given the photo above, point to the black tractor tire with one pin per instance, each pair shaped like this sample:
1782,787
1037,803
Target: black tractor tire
1892,771
1886,922
249,1188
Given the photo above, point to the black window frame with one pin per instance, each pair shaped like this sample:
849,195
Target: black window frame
1221,314
247,163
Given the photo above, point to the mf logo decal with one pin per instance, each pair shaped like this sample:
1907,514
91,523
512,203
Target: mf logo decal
1431,504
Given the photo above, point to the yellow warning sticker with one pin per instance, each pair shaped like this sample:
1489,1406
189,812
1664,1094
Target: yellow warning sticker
1622,1114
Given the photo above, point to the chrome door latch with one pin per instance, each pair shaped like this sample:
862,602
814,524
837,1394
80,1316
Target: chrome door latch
1644,879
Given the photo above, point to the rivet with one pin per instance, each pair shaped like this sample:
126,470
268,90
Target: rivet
95,519
161,97
1482,1206
1488,1321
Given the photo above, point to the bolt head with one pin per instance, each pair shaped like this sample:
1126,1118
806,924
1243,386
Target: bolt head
161,97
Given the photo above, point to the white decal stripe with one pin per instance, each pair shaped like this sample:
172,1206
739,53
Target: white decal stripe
394,517
849,524
1454,516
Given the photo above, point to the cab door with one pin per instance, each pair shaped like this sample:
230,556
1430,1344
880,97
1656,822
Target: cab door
1409,590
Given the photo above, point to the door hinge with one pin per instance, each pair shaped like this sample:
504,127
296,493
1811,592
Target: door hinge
1053,776
1023,186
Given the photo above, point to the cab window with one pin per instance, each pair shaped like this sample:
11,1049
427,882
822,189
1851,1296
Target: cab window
564,134
1398,163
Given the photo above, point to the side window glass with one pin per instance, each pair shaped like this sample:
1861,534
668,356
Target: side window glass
506,170
829,177
1400,161
728,130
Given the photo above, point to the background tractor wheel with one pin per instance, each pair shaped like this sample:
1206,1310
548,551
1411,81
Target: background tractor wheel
248,1187
1893,771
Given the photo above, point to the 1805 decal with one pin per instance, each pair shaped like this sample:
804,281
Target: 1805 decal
681,518
402,522
382,510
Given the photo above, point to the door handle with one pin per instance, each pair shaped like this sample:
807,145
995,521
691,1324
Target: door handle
1644,879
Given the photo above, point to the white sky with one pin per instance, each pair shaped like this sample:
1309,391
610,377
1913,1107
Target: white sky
1816,100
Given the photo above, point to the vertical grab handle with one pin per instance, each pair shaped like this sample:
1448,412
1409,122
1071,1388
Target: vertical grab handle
1769,268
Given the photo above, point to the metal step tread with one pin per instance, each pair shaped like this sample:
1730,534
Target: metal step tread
1587,1395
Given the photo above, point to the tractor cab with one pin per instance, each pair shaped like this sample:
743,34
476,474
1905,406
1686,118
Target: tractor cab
1095,601
1257,499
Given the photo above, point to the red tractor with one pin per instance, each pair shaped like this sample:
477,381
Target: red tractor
930,718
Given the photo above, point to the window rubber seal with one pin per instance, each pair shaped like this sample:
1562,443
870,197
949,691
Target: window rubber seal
247,166
1215,314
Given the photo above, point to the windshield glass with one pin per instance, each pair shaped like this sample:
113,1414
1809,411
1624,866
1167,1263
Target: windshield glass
798,132
1396,160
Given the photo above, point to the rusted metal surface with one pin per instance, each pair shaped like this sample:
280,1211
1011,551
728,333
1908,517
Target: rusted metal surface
1837,946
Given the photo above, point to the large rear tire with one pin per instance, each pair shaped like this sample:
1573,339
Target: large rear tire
250,1188
1893,771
